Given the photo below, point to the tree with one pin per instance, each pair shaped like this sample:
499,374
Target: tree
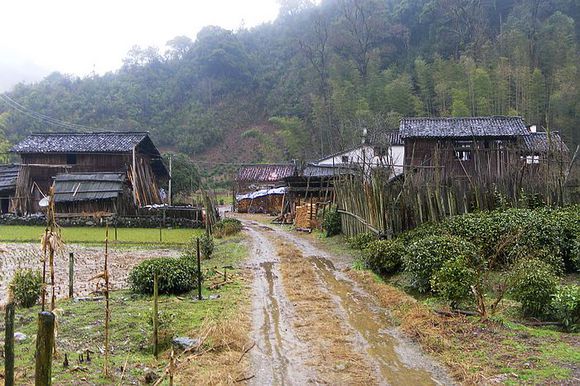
185,178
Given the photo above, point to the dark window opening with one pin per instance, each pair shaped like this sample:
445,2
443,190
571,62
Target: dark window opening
71,159
344,159
380,151
463,150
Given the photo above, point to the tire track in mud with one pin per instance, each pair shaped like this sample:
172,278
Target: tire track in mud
346,335
280,357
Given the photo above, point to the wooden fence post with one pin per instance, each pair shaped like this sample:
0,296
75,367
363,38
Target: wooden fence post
155,315
9,343
71,274
198,271
44,346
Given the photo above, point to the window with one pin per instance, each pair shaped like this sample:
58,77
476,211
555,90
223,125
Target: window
71,159
463,150
344,159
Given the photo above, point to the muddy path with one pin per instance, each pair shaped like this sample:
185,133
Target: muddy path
312,324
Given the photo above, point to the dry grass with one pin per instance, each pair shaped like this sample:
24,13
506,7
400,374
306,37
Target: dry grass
468,348
223,358
317,322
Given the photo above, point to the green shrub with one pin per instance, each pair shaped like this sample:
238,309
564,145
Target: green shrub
565,306
426,256
361,240
206,246
226,227
533,282
26,285
331,223
175,276
453,281
384,257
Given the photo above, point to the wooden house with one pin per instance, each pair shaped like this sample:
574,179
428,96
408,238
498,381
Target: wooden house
46,158
541,147
459,148
265,179
8,176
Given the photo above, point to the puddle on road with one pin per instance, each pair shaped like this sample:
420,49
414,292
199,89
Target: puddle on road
379,344
271,326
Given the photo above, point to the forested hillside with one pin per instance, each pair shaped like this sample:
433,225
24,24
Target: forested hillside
307,83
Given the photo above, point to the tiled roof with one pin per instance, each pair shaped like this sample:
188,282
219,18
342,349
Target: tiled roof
496,126
314,170
392,138
98,142
88,186
265,172
542,142
8,176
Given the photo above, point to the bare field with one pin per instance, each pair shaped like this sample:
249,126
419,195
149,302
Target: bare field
88,263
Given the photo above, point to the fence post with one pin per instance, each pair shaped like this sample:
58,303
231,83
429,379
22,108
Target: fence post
155,315
44,346
71,273
160,237
198,271
9,343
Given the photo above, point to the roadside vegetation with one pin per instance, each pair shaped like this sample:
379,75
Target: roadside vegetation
493,295
216,326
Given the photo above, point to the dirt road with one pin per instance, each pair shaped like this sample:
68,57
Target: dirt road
312,324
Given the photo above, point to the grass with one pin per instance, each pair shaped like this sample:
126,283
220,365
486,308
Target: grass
80,327
92,235
498,350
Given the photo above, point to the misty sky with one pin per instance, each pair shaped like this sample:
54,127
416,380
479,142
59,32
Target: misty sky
82,36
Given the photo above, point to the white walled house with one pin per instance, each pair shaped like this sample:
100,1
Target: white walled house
367,155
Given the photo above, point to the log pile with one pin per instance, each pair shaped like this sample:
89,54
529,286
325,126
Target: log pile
306,216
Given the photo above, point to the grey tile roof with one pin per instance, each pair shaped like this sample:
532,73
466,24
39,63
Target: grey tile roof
495,126
88,186
313,170
8,176
265,172
97,142
542,142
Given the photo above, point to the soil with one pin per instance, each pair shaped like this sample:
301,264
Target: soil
313,324
88,263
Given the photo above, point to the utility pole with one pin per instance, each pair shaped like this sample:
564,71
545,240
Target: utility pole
170,176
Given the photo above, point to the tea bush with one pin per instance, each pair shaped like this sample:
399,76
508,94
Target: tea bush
175,276
384,257
206,246
26,286
426,256
331,223
453,281
565,306
362,240
533,282
227,227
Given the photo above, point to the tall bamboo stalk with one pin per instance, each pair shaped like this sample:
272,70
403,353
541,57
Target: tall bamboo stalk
107,309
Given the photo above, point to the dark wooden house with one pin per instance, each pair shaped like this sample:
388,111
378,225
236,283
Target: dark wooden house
8,176
459,148
48,155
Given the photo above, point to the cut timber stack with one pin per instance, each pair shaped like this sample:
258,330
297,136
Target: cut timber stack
306,216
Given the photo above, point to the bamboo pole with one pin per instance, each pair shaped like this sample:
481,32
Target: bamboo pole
107,309
71,270
155,315
198,271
